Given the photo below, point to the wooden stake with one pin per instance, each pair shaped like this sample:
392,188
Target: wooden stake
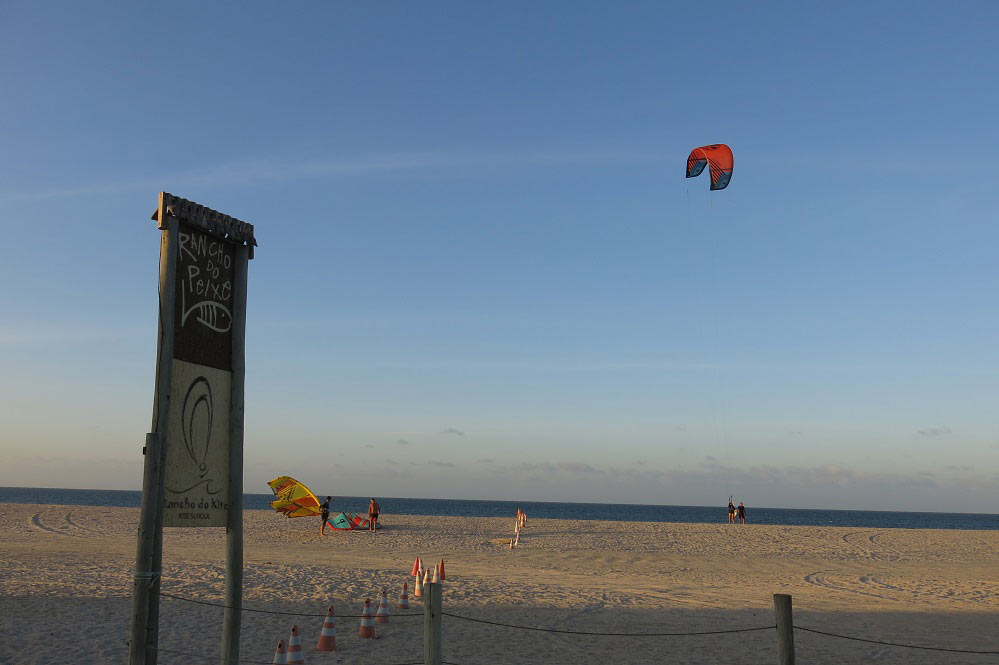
785,629
433,652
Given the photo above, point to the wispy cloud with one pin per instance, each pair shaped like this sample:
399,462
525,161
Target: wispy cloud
452,430
934,431
54,333
448,465
256,171
401,442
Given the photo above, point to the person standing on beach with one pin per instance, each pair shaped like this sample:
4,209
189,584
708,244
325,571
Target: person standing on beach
373,510
325,507
742,513
731,511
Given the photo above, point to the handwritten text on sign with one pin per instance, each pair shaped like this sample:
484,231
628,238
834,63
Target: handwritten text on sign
196,475
203,317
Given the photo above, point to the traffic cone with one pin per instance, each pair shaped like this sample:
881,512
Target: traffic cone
404,598
382,615
327,639
416,567
516,539
436,579
367,630
418,590
427,578
295,655
280,655
511,543
440,569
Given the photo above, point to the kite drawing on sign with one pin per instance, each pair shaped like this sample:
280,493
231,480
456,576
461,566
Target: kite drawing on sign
718,158
196,424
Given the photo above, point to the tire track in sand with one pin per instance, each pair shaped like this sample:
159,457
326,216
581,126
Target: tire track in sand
67,528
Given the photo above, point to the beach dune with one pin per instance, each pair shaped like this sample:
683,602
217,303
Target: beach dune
66,574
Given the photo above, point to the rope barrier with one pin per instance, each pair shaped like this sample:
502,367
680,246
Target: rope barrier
294,614
896,644
241,660
565,632
582,632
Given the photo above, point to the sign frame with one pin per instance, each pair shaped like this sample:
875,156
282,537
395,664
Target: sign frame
176,217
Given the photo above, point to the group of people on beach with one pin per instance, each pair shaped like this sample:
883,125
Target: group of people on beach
374,510
736,514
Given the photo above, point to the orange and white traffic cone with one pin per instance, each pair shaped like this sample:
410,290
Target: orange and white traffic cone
327,639
418,589
436,579
440,569
295,654
511,543
404,598
367,630
280,655
428,578
382,615
416,567
516,539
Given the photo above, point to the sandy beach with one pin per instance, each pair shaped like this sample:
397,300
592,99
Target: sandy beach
65,589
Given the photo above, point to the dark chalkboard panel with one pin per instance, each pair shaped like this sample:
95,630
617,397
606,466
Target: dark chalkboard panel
203,314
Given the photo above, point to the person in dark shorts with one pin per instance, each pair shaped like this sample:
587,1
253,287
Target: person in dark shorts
325,507
731,511
373,510
742,513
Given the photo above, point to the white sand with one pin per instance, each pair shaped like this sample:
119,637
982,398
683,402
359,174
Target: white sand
65,589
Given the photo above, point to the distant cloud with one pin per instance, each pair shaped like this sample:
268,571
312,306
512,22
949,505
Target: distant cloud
401,442
934,431
795,432
31,333
711,458
485,460
369,445
436,463
391,462
640,462
452,430
252,171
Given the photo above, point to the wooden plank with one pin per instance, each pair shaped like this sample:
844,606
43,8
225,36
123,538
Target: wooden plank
234,529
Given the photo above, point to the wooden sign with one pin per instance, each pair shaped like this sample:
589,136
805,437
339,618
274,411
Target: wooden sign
196,468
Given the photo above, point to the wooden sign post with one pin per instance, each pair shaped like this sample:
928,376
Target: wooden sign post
193,470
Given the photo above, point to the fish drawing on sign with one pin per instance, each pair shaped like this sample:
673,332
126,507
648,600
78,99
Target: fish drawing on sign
197,417
214,315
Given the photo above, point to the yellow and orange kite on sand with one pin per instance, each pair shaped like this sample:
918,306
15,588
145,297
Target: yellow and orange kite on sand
293,498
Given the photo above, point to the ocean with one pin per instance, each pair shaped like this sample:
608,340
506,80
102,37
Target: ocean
568,511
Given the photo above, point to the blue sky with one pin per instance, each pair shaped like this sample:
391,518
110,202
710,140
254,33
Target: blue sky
481,272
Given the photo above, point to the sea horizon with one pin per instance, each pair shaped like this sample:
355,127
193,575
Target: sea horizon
571,510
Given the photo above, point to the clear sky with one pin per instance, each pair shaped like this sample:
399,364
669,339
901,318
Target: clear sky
482,273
